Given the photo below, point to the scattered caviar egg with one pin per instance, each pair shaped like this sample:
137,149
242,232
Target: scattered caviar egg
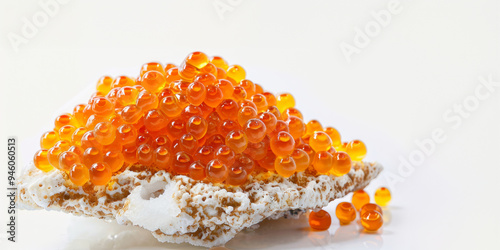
285,166
284,101
345,212
197,59
228,109
296,127
90,156
360,198
320,220
114,159
320,141
153,81
356,149
237,140
79,174
382,196
291,112
127,95
196,93
370,207
181,163
145,154
67,159
301,159
282,144
65,119
66,131
372,220
122,81
48,139
217,171
255,130
147,100
236,72
104,84
152,66
214,96
154,120
334,135
100,173
225,154
323,162
341,164
237,176
219,62
249,87
197,171
313,126
227,126
246,113
104,133
41,160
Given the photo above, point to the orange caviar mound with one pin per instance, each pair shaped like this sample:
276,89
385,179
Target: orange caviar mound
203,119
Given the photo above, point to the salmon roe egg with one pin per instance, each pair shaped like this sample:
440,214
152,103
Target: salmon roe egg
104,133
284,101
320,220
197,126
249,87
219,62
296,127
237,140
152,66
67,159
323,162
147,100
313,126
370,207
104,84
372,220
255,130
237,176
245,114
334,135
382,196
214,96
285,166
217,171
153,81
196,93
163,158
341,164
301,159
49,139
282,144
236,72
360,198
320,141
197,171
228,109
79,174
181,163
356,149
100,174
345,212
114,159
197,59
41,160
66,132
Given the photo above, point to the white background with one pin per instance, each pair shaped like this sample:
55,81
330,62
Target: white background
393,92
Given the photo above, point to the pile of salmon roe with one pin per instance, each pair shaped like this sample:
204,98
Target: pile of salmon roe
346,212
202,119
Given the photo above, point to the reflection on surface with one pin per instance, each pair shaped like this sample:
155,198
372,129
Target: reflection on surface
90,233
